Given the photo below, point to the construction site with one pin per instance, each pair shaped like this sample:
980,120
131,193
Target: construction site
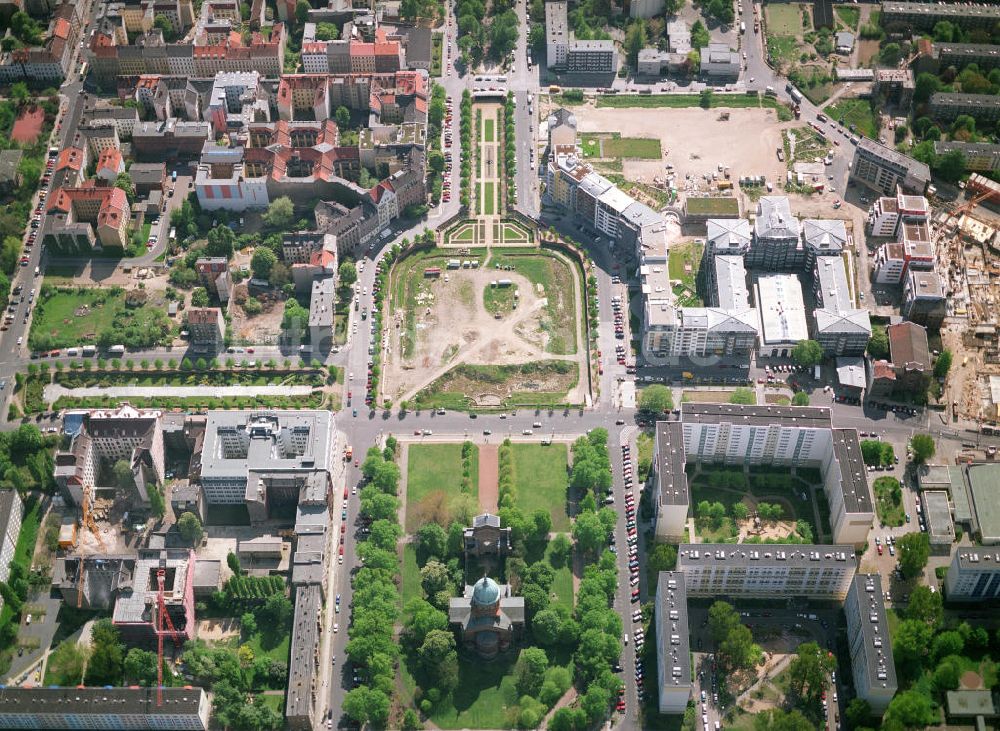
968,249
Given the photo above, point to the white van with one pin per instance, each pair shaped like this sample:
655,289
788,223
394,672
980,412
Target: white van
72,351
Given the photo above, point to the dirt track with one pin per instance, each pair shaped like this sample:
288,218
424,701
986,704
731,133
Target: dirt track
489,461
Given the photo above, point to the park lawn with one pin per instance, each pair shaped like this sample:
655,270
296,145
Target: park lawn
682,101
641,148
540,481
489,200
437,51
481,700
857,112
889,502
848,16
61,317
784,19
411,588
274,700
488,129
562,585
434,469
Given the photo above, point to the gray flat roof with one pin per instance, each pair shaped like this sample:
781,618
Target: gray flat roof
979,558
853,474
984,485
671,460
99,701
675,644
955,10
817,417
267,446
938,513
874,630
758,554
305,639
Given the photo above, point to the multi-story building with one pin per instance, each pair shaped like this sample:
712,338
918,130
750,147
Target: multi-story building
50,62
298,247
910,355
884,169
71,167
720,63
107,436
568,54
110,164
206,328
777,242
321,313
973,575
869,642
84,218
889,213
924,298
782,314
895,86
673,656
761,435
263,459
169,140
11,512
302,694
235,101
838,325
213,275
949,105
103,709
742,570
985,55
823,237
979,156
901,16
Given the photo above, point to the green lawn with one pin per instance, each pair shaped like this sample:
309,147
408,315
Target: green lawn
683,263
64,318
481,700
562,586
784,19
540,480
489,199
488,129
411,588
633,147
499,299
889,501
433,481
682,101
857,112
514,385
262,646
437,50
644,449
848,16
277,702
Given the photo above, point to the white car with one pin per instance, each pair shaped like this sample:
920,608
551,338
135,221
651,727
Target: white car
336,626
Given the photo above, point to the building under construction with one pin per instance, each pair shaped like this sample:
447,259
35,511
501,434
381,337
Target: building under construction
129,585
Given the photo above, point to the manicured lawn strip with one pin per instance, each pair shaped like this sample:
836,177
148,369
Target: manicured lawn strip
488,129
562,585
640,148
433,468
489,200
540,480
411,588
681,101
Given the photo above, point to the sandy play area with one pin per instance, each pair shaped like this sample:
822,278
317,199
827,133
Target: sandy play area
452,326
695,140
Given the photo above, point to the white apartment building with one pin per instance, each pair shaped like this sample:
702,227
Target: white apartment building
556,33
11,512
974,575
766,571
748,436
782,313
870,645
673,656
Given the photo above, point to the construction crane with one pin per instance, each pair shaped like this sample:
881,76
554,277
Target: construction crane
972,203
162,616
88,519
79,583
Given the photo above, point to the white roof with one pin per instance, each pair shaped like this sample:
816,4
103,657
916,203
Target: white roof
782,311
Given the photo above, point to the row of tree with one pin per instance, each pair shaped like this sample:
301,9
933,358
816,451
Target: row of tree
372,647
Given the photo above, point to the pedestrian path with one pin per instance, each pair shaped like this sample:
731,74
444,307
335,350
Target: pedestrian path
54,391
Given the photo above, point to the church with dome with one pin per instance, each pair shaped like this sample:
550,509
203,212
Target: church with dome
488,618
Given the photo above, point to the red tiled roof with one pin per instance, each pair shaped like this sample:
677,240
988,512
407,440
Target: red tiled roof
71,157
110,158
883,369
61,28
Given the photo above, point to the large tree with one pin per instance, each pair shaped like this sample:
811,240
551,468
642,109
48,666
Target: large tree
923,447
280,213
807,353
190,528
913,550
529,671
809,670
656,399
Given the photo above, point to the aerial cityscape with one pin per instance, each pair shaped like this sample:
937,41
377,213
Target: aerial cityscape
409,364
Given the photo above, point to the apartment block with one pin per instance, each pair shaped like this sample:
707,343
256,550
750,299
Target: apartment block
763,571
973,575
51,62
748,436
83,218
979,156
557,35
777,242
782,314
302,693
673,655
103,709
884,169
985,55
11,513
823,238
567,54
106,436
206,328
213,275
924,16
872,665
321,313
924,298
888,213
948,105
838,325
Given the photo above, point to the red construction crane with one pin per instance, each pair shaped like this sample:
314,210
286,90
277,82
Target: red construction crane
162,616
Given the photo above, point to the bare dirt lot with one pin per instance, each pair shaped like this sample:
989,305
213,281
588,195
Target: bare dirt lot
452,325
695,140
